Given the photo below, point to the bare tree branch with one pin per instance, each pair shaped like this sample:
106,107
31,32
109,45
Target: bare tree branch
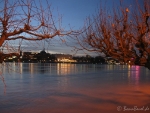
28,20
122,33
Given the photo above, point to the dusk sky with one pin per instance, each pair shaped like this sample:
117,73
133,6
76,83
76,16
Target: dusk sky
74,14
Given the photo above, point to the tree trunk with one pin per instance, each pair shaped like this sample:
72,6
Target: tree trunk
2,39
147,65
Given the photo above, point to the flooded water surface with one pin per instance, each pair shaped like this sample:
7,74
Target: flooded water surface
74,88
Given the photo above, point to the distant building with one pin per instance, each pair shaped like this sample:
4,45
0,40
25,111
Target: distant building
89,59
110,60
45,57
28,57
64,58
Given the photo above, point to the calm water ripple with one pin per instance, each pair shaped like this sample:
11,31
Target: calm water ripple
74,88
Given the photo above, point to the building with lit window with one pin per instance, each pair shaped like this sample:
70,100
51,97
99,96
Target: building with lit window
64,58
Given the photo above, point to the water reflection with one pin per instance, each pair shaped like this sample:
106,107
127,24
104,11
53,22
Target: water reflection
134,74
31,66
55,68
83,89
65,68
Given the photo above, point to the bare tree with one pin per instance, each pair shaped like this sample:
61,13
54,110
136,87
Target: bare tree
26,20
123,34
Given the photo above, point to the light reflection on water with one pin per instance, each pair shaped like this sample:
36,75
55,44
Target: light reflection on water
73,88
